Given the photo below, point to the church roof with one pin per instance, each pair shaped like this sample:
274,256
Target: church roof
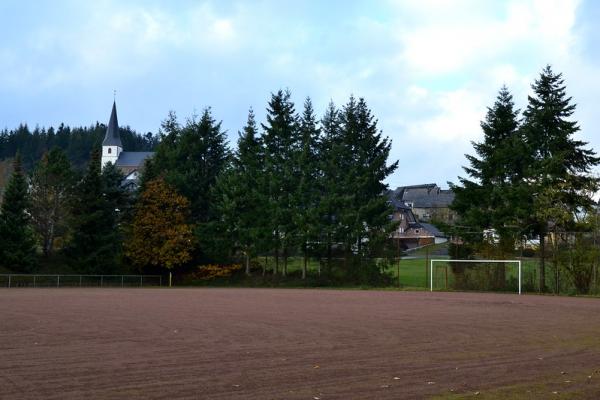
133,158
112,137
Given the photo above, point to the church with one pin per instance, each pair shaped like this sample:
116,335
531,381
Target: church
129,163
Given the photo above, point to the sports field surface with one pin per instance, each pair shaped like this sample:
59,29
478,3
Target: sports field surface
295,344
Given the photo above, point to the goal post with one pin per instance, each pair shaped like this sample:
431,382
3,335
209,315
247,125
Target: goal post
432,261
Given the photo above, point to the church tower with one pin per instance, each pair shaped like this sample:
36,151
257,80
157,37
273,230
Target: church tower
111,145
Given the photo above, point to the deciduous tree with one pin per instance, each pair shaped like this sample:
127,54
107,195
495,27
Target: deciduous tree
161,235
51,189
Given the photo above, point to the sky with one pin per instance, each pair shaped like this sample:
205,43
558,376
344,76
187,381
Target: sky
428,69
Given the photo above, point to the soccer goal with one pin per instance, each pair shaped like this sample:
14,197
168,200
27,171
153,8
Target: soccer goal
480,275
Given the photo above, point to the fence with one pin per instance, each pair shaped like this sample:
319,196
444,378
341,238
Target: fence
46,280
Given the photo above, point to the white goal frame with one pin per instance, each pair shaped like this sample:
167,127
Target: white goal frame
472,261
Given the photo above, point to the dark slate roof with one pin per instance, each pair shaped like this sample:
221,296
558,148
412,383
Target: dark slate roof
425,196
432,229
396,202
112,137
133,158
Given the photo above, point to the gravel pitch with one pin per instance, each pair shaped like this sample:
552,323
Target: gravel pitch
290,344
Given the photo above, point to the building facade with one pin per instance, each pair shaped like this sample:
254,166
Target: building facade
428,202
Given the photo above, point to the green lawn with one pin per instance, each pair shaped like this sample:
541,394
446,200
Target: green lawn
414,273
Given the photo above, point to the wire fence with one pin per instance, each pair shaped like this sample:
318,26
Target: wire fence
61,281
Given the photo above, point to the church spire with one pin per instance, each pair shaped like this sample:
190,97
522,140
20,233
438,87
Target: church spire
112,136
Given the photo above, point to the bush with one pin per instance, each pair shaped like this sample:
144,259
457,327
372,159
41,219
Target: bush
212,271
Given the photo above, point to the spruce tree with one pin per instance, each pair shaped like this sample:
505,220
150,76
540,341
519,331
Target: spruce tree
490,197
51,189
239,202
190,157
280,142
556,158
330,186
17,247
364,216
306,198
95,245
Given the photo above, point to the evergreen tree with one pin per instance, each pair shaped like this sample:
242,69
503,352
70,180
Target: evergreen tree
306,217
329,184
17,247
119,201
51,187
280,142
238,199
491,197
190,158
95,245
364,215
556,158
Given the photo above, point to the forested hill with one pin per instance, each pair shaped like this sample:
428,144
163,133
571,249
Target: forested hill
77,142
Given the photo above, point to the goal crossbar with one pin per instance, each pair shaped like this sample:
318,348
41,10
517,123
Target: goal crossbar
518,262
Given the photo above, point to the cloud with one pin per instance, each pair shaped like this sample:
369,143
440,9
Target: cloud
427,68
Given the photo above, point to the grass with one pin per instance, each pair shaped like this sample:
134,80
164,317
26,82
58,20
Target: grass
414,273
582,385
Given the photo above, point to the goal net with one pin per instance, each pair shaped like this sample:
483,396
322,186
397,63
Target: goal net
477,275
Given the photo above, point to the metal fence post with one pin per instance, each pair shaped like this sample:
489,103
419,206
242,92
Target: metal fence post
160,280
34,281
57,280
80,280
121,280
9,276
101,280
141,280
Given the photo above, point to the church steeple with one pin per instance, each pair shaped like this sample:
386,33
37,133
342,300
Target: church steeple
112,136
111,145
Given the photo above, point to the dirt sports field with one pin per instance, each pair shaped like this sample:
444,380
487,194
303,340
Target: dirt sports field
295,344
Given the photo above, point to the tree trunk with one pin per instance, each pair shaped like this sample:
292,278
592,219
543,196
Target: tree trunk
285,261
329,251
542,261
305,262
247,263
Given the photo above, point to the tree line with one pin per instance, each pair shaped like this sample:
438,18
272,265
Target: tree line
76,142
530,177
295,184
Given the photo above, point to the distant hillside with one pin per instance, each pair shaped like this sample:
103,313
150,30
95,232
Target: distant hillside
77,142
5,171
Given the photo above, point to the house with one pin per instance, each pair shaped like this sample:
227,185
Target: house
411,233
428,202
130,163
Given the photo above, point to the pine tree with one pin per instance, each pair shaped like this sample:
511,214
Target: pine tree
556,158
95,245
51,189
491,197
161,235
17,247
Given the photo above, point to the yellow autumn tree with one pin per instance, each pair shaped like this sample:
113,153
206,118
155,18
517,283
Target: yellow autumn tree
160,234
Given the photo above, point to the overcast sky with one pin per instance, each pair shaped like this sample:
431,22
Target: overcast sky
427,68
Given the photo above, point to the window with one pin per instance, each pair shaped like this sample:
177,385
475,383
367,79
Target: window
109,150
